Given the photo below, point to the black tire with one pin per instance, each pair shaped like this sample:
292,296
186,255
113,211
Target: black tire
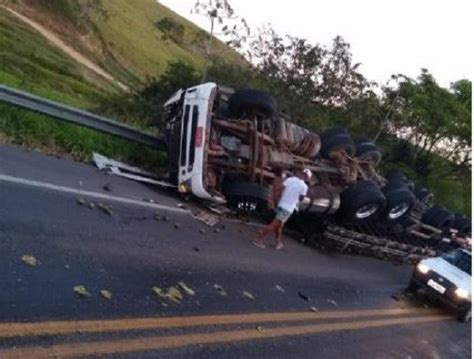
413,287
247,196
424,195
396,175
400,201
244,100
361,202
465,314
336,139
366,149
333,131
462,224
438,217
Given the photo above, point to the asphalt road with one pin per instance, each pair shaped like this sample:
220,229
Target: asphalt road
128,252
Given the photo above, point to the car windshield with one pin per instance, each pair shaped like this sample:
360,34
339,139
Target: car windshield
460,259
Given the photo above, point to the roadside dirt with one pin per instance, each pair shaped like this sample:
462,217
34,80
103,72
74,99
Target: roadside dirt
56,41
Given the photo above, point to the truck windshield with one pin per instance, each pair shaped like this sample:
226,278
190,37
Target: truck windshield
460,259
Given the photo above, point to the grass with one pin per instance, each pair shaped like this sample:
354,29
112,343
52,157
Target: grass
30,63
136,42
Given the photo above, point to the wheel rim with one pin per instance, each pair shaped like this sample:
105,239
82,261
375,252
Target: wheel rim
246,206
398,211
366,211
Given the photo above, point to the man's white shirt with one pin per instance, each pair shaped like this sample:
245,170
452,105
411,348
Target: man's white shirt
294,189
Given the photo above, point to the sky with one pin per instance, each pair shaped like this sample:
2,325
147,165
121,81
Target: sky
386,37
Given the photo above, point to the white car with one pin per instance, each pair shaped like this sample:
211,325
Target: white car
447,277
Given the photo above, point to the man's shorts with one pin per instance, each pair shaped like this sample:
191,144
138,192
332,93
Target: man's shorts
282,214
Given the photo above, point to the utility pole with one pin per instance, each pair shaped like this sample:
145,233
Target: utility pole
213,16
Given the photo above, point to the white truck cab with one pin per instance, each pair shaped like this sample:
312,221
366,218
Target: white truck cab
447,277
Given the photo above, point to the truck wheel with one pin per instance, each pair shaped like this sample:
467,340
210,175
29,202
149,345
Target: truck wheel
243,101
462,224
400,200
438,217
336,139
361,202
424,195
247,196
464,315
366,150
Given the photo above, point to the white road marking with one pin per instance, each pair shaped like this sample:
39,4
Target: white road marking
53,187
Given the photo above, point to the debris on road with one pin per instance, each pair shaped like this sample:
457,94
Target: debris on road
107,187
314,309
186,289
134,173
177,225
333,302
81,291
173,294
260,328
248,295
220,290
196,249
92,205
107,208
304,296
208,218
280,289
106,294
81,201
30,260
202,231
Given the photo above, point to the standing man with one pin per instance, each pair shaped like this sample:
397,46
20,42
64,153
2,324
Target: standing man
294,190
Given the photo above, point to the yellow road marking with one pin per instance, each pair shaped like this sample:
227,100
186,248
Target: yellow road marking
8,330
177,341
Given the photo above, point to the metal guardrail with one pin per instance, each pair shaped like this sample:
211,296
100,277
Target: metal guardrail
79,117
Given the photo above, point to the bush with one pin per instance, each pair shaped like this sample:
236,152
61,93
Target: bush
171,30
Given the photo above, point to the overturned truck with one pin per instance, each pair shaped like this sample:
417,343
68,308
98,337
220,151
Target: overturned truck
227,146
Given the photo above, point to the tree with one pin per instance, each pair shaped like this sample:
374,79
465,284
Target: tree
145,105
232,29
308,77
432,118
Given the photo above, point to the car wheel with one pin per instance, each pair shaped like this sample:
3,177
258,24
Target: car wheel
412,287
335,140
465,314
366,150
361,202
424,195
244,100
438,217
400,200
462,224
247,196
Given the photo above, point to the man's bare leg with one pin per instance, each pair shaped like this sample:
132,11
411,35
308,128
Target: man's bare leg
265,232
278,235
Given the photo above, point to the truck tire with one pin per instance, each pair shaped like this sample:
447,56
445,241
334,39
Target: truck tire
336,139
424,195
361,202
400,201
366,150
462,224
438,217
242,101
465,314
247,196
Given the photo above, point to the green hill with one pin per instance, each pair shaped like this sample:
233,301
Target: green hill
130,40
